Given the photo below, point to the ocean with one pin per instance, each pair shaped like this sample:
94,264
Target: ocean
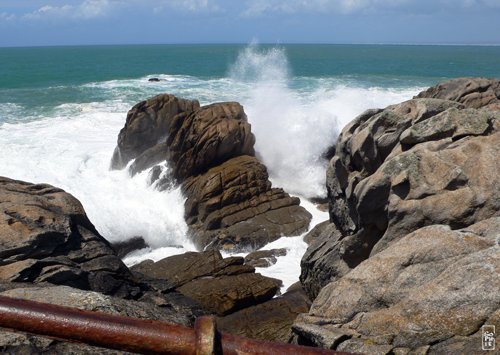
61,109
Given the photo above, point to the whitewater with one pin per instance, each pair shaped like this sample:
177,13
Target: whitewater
295,120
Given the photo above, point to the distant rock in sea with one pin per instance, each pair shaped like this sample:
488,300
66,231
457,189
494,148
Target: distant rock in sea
410,259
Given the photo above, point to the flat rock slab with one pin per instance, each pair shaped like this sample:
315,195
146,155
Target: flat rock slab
183,268
226,294
271,320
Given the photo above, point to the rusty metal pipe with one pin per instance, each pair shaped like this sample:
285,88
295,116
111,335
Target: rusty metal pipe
93,328
132,334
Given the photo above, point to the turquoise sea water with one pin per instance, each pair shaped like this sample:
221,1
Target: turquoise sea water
41,76
61,109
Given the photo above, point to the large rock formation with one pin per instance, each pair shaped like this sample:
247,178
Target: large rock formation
433,285
230,202
146,125
233,204
414,190
45,236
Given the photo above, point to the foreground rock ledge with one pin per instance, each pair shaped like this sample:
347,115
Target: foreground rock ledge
410,259
45,236
210,153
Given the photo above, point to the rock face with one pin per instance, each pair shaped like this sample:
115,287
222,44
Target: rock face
221,286
422,162
414,191
434,284
230,202
472,92
147,124
264,258
45,236
234,204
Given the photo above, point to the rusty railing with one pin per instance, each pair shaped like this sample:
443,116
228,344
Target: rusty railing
132,334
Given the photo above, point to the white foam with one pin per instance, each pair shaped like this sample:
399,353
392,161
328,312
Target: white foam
287,268
73,151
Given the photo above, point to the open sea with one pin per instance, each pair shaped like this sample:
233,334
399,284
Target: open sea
61,109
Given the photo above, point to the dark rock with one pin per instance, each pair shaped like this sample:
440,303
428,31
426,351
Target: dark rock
149,158
148,123
271,320
323,260
226,294
264,258
234,206
207,137
125,247
183,268
154,79
209,149
45,236
154,174
472,92
315,232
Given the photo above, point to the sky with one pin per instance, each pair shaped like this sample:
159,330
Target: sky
76,22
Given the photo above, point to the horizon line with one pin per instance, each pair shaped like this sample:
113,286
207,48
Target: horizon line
261,43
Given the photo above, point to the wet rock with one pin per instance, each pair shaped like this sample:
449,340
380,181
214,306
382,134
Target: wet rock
207,137
45,236
153,79
148,123
125,247
271,320
183,268
264,258
230,202
233,206
472,92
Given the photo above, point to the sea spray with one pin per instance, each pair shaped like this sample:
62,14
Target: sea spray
296,120
292,133
72,150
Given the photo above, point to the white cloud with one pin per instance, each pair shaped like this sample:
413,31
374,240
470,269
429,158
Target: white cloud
5,17
85,10
187,6
260,7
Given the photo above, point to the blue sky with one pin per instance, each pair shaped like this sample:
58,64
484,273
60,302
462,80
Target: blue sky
65,22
